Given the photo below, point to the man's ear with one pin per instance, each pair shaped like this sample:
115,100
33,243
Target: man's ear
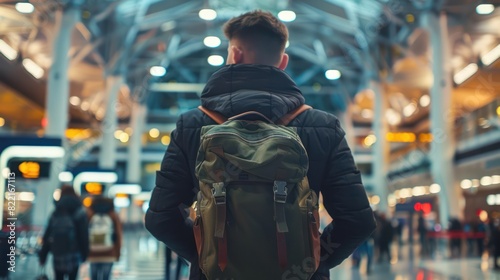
237,55
284,61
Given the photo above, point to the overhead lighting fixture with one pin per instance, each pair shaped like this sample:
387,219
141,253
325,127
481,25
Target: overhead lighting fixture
409,109
491,56
2,121
495,179
158,71
466,184
65,176
333,74
425,100
207,14
74,100
287,16
85,105
165,140
215,60
124,137
393,117
367,113
154,132
9,52
212,41
25,8
486,181
434,188
465,73
485,9
33,68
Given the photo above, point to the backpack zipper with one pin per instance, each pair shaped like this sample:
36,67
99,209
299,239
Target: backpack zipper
212,135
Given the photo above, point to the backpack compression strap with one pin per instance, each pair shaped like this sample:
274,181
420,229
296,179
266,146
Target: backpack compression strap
285,120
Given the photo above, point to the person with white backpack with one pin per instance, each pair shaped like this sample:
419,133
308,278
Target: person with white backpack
105,232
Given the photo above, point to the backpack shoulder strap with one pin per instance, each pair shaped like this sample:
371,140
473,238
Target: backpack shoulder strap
216,116
286,119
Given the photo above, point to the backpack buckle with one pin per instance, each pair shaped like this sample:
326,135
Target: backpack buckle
219,193
280,191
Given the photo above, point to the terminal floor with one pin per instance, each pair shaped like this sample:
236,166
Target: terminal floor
143,259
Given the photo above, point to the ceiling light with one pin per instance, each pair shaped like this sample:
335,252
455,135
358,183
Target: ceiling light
466,184
490,199
118,133
409,109
369,140
367,113
158,71
208,14
465,73
165,140
124,137
154,132
486,181
9,52
74,100
2,121
25,8
434,188
33,68
491,56
475,183
418,191
212,41
85,105
393,117
65,176
215,60
333,74
495,179
375,200
287,16
425,100
485,9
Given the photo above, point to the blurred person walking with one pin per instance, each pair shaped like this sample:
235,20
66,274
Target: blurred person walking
254,81
422,234
66,236
105,231
386,236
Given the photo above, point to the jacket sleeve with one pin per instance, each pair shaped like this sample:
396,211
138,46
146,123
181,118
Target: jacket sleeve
346,201
173,192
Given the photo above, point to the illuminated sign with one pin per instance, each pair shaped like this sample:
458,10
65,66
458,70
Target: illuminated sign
29,169
423,207
93,188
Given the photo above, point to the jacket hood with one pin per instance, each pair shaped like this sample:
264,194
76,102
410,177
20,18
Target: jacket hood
239,88
68,203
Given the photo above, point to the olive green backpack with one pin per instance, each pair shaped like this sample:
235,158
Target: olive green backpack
256,217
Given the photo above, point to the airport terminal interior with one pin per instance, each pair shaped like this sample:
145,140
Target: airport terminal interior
90,92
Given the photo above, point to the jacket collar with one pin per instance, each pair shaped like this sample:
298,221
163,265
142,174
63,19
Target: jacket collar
239,88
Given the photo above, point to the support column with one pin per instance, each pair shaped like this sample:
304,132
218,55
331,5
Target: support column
107,155
380,149
58,84
443,144
134,162
137,123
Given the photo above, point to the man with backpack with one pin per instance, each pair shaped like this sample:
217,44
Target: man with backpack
66,236
255,158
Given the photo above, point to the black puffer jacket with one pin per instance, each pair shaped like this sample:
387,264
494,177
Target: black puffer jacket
239,88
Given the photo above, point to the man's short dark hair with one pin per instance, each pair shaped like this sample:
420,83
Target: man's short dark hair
261,32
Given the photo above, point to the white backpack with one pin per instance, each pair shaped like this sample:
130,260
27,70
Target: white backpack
101,233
